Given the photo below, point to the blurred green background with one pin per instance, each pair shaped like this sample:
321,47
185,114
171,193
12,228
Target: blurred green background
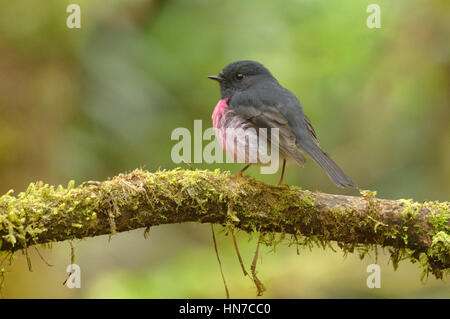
88,103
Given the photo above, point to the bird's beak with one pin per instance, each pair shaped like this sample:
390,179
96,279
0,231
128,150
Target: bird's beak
215,77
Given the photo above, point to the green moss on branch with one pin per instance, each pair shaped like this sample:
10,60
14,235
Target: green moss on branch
43,214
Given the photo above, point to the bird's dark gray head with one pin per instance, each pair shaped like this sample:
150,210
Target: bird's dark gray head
240,75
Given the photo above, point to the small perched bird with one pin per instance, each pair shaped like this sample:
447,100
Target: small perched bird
251,98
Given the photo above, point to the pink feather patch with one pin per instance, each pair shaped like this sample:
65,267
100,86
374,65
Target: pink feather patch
221,106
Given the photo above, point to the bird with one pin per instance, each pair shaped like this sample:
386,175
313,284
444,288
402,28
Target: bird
251,98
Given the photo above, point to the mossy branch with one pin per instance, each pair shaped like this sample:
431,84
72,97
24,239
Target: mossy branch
44,214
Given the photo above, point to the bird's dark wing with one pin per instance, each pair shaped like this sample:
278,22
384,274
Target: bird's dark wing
263,115
277,107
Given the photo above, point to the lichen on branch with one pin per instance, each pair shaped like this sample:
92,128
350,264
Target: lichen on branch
44,214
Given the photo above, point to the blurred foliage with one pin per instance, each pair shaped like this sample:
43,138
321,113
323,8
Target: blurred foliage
89,103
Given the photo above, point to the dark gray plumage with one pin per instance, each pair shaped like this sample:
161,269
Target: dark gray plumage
255,96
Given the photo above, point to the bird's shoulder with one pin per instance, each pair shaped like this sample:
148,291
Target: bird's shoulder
258,106
266,97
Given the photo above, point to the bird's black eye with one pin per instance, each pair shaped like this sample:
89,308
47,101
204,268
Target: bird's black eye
239,76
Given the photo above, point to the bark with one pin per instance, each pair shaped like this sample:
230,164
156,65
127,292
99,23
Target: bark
44,214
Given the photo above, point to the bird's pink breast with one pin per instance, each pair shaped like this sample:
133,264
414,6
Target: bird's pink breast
237,136
217,116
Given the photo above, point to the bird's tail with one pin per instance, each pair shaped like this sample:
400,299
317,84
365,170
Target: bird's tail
334,172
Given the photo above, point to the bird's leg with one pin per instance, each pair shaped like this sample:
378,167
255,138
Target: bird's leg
282,172
242,170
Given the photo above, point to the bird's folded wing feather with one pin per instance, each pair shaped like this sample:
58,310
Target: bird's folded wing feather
263,115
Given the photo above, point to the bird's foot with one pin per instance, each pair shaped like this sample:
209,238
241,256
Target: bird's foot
239,174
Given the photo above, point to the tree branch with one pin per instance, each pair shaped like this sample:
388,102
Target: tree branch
44,214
